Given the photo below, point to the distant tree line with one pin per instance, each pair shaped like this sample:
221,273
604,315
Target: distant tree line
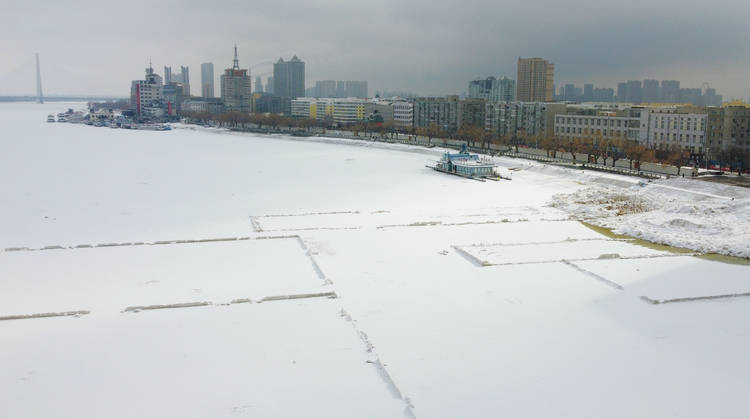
597,148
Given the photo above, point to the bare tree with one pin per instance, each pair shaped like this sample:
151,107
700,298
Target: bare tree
550,144
570,145
677,157
433,131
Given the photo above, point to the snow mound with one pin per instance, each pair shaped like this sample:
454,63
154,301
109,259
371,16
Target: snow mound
694,215
601,201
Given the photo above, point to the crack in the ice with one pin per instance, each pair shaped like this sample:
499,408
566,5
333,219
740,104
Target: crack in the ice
45,315
153,243
593,275
692,299
379,367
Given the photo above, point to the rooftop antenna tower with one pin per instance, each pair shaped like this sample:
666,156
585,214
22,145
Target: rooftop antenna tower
236,62
39,98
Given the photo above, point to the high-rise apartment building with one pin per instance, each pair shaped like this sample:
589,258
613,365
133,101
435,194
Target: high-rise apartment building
325,88
354,88
207,80
338,89
569,93
630,91
501,89
535,80
670,91
445,112
650,91
602,94
289,78
235,87
183,77
588,92
146,94
710,98
258,85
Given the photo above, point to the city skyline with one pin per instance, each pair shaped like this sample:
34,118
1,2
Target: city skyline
420,53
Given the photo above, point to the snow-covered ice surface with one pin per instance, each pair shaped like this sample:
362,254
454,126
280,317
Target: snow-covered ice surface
414,294
216,272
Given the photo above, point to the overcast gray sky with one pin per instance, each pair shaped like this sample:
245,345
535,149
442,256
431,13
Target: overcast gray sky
424,46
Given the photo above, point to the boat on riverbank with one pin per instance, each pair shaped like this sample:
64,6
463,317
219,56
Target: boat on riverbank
467,165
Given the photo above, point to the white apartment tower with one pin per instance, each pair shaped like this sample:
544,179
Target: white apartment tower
207,80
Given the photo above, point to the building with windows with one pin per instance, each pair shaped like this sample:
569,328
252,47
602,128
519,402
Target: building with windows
268,103
338,89
670,91
535,81
630,91
445,112
593,123
207,80
728,128
289,78
313,108
588,92
668,126
147,93
211,105
325,88
173,94
235,87
351,88
650,91
602,94
473,112
516,118
403,113
501,89
183,77
346,110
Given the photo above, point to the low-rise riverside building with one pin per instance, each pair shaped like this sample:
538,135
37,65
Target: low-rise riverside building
214,105
514,118
580,123
403,113
312,108
675,126
343,110
728,128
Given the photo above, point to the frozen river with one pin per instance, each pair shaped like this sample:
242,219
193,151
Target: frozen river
226,275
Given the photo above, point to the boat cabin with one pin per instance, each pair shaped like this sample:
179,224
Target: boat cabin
466,164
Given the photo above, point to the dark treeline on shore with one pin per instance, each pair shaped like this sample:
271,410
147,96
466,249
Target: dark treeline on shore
595,148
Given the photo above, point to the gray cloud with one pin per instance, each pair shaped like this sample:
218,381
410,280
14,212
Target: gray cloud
435,47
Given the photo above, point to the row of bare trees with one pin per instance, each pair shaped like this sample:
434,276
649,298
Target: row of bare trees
597,148
258,120
735,158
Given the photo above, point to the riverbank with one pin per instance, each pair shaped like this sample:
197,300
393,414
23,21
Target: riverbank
705,217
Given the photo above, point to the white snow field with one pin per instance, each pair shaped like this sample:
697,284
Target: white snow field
200,273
